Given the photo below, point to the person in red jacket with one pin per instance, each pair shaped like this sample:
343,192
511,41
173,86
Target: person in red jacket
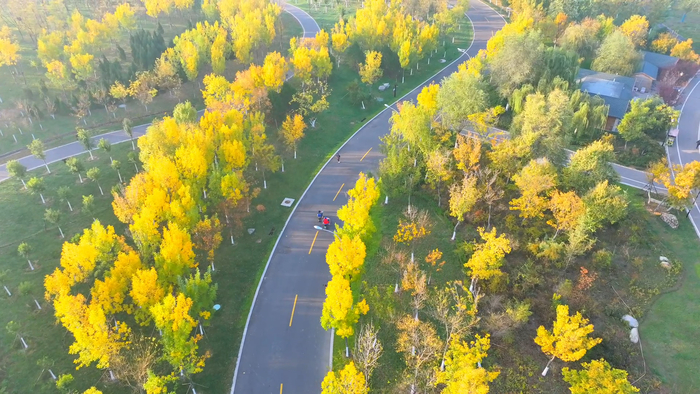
326,222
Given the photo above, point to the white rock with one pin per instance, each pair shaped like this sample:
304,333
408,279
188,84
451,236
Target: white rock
382,88
634,335
666,264
663,258
631,321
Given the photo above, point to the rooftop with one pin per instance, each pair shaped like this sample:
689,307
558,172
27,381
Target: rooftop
615,90
659,60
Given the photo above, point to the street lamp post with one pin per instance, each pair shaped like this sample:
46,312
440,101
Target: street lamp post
319,228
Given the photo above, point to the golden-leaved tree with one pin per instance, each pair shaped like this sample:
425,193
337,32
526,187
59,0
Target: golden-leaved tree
568,340
462,374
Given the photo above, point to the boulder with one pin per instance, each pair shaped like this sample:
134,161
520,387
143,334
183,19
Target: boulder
631,321
670,219
634,335
382,88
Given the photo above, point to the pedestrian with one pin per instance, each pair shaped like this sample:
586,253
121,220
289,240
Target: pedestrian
395,90
320,216
697,144
326,222
338,157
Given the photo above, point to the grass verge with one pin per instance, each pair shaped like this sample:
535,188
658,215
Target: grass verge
630,283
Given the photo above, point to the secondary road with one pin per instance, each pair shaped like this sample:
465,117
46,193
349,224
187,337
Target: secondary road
62,152
684,150
284,349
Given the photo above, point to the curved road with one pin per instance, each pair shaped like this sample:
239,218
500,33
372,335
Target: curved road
285,352
684,150
115,137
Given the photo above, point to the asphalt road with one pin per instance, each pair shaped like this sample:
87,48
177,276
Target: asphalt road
279,353
684,150
115,137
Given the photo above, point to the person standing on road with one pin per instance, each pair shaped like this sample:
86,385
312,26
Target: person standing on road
697,144
338,157
320,216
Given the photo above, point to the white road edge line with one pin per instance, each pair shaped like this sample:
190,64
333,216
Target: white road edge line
257,290
680,159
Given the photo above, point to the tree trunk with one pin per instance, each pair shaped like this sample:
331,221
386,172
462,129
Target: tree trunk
120,176
80,177
47,167
546,368
454,231
42,198
91,156
101,192
69,206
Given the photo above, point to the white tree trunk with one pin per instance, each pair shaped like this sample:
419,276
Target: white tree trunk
91,156
454,231
80,177
61,231
31,267
47,167
42,198
69,206
101,192
120,176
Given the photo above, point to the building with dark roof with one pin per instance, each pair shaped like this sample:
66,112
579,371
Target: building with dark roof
650,67
615,90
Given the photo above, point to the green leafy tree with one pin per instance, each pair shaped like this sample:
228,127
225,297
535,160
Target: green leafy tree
650,118
85,138
37,186
53,216
460,95
185,113
617,55
590,165
126,126
201,291
598,377
89,205
75,166
518,62
64,193
94,175
36,147
16,170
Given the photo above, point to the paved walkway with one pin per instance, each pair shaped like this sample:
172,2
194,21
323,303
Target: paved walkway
283,343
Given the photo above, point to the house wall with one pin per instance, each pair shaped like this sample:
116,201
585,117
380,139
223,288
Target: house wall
611,124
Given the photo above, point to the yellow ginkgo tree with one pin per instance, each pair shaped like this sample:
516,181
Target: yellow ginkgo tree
346,256
339,310
347,381
463,373
293,131
485,262
598,377
568,340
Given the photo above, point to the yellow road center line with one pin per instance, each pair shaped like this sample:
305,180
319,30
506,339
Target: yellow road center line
281,385
293,309
363,157
312,243
336,194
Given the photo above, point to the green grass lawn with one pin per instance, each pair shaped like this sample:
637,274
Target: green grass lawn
671,329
